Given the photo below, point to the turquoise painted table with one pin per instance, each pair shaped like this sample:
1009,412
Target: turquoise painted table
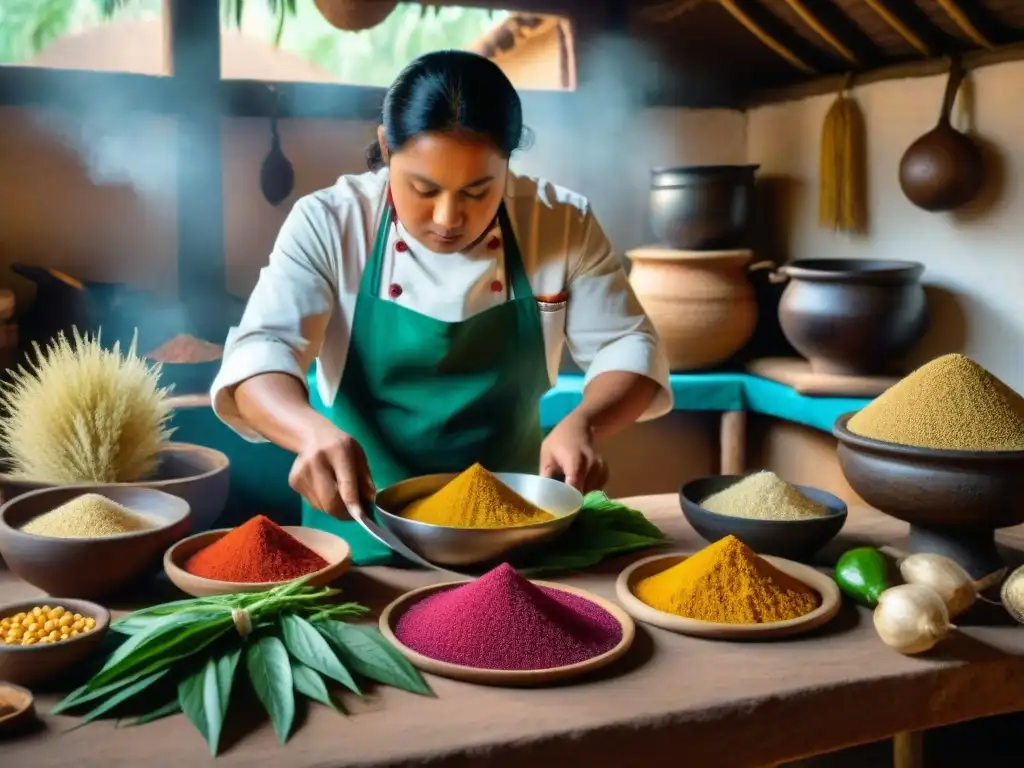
259,471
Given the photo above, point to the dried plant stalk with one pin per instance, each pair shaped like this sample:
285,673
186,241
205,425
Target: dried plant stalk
84,414
841,193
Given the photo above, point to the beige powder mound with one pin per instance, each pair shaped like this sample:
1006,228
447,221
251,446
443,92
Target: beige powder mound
764,496
951,403
88,516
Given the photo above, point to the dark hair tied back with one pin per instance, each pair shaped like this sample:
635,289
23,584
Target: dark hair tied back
451,91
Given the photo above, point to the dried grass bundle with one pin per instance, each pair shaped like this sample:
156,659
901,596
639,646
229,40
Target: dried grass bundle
841,196
84,414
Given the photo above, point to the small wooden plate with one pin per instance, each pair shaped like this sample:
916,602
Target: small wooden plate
334,550
831,601
504,677
24,711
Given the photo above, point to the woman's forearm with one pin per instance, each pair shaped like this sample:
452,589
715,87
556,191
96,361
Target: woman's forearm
615,400
276,406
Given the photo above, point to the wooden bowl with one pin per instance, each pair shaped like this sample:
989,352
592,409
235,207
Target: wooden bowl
331,548
23,712
831,601
30,665
504,677
195,473
94,567
790,539
953,500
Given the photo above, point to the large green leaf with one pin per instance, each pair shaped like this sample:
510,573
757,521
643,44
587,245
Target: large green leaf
204,695
372,656
270,673
121,696
309,683
308,646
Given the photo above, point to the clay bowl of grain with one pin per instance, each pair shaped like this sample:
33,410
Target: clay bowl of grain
796,537
38,663
199,475
88,561
441,545
954,500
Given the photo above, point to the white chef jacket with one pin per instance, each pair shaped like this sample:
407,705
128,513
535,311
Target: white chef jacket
304,301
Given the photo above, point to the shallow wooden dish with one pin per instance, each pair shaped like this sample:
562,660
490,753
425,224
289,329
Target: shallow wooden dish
32,664
24,709
504,677
331,548
831,601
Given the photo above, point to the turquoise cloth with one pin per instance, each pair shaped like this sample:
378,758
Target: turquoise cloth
259,471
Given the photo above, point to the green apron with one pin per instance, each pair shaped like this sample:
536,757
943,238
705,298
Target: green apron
423,396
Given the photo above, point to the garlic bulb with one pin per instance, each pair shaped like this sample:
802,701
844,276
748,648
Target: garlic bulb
1012,594
911,618
954,585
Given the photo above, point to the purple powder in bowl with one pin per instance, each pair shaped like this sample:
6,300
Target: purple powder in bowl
502,621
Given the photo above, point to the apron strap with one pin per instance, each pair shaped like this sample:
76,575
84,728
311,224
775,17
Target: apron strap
521,288
370,284
519,282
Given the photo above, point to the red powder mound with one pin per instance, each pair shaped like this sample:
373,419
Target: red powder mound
257,550
502,621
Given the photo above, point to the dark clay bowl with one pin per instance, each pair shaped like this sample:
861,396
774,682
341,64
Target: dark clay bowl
953,500
30,665
790,539
89,568
199,475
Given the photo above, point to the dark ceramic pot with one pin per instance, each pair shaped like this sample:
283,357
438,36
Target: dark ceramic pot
702,207
852,317
953,500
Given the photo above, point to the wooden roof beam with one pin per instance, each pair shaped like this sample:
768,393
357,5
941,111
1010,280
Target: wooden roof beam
911,23
980,27
837,30
777,35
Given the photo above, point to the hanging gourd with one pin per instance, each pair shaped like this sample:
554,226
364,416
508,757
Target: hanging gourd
277,177
355,15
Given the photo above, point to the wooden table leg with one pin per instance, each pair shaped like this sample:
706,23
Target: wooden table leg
908,750
733,442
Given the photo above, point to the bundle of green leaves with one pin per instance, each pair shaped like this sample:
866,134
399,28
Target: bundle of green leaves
186,656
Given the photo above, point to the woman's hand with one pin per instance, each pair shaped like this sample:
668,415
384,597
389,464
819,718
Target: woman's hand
331,471
569,451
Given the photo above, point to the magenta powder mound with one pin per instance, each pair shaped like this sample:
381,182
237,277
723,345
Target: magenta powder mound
502,621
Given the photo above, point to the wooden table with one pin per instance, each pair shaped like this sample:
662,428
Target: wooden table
673,700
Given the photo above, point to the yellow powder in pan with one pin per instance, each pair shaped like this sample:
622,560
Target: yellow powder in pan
88,516
476,499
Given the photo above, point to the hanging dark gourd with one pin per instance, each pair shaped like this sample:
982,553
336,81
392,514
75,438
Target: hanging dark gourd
277,177
355,15
944,169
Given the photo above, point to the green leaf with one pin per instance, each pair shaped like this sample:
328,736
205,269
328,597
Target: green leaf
204,695
168,709
175,638
121,696
84,694
271,676
309,683
369,654
308,646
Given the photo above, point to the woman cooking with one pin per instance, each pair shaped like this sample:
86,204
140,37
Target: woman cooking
436,293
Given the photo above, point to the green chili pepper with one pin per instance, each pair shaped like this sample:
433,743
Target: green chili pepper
863,574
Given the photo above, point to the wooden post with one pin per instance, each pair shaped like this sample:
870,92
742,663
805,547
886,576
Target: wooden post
733,442
908,750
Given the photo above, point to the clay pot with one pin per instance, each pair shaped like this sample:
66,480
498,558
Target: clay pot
701,302
355,15
702,207
852,317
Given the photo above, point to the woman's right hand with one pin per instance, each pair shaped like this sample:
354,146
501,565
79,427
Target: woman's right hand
331,471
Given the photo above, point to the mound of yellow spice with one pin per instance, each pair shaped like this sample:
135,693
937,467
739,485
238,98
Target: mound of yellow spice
952,404
728,583
475,499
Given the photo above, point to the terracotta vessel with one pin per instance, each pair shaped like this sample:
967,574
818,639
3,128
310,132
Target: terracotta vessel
355,15
701,302
852,317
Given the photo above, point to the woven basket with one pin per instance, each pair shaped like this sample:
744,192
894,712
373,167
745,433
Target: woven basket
355,15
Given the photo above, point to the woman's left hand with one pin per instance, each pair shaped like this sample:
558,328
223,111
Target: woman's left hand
569,452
